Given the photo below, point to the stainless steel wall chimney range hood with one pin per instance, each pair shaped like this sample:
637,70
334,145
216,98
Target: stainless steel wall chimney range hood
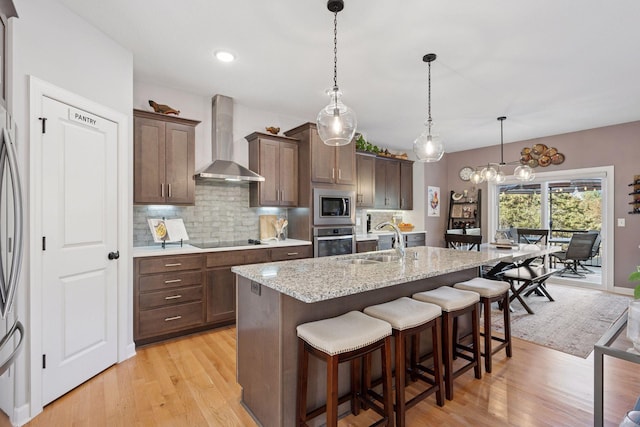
222,167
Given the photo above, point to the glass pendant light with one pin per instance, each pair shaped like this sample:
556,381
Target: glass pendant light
336,122
476,177
428,147
524,173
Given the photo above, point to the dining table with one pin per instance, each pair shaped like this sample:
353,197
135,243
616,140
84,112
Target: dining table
524,276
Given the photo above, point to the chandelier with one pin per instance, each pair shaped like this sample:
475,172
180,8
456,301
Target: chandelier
493,172
336,122
428,147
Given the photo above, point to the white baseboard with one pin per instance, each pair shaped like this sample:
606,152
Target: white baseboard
21,415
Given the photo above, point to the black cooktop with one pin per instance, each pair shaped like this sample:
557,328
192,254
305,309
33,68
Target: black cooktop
230,244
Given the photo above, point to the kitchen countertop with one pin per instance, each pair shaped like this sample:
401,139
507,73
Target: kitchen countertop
175,249
319,279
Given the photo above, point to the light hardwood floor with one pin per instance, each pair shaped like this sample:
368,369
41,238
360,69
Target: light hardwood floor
191,382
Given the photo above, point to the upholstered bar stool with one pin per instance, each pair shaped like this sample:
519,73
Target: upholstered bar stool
491,291
340,339
408,318
454,303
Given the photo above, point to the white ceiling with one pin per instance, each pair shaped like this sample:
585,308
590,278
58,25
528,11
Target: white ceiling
550,66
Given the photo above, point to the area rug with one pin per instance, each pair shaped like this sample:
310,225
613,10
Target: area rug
572,323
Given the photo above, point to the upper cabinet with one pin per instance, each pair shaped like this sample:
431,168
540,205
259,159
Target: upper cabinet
164,159
406,185
366,180
276,159
393,184
327,164
387,184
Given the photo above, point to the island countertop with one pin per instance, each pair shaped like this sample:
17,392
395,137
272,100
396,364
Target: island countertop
319,279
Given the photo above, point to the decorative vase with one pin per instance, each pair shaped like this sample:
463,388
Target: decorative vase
633,323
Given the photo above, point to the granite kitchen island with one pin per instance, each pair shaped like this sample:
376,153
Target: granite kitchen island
272,299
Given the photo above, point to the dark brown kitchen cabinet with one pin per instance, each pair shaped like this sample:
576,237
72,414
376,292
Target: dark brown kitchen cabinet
387,184
168,296
406,185
366,246
179,294
415,239
221,295
164,159
276,159
326,164
291,252
393,184
366,178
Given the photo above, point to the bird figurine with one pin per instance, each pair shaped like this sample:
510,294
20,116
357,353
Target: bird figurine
272,129
164,109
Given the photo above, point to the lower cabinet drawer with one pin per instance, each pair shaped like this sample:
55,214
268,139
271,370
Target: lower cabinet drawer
169,319
291,252
170,297
156,282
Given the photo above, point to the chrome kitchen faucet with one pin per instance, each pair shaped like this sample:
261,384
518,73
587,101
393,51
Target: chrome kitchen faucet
398,245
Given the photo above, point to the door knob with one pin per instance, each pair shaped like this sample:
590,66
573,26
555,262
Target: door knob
114,255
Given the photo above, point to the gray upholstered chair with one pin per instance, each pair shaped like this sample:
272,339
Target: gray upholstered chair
579,249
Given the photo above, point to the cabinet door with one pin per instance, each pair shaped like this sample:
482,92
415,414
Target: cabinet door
148,161
366,246
346,164
221,295
180,163
366,177
323,164
387,184
406,185
269,168
288,174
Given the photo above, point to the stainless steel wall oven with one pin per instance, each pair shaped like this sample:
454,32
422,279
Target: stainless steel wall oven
329,241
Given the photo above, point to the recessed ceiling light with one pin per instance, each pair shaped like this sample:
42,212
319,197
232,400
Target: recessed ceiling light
225,56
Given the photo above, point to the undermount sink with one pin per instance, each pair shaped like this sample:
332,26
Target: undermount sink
375,259
384,258
360,261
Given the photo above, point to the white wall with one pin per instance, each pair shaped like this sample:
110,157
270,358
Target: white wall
55,45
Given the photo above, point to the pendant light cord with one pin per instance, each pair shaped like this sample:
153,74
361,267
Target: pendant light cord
335,50
501,142
429,98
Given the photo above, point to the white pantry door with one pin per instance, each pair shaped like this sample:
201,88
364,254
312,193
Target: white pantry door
79,223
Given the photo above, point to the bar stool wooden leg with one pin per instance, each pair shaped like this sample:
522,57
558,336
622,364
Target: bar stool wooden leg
400,376
486,306
303,368
475,322
437,362
387,389
506,313
332,391
447,343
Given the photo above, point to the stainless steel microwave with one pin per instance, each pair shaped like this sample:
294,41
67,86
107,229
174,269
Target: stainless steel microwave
333,207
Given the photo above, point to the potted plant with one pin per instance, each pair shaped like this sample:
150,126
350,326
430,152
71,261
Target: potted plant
635,277
633,316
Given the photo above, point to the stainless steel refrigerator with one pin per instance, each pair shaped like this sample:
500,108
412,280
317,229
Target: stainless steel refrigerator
11,241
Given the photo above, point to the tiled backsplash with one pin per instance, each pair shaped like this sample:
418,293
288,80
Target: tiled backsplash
221,213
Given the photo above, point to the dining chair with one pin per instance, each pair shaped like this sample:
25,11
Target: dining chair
534,236
473,231
463,241
579,249
455,231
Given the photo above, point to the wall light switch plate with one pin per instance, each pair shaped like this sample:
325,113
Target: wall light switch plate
621,222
